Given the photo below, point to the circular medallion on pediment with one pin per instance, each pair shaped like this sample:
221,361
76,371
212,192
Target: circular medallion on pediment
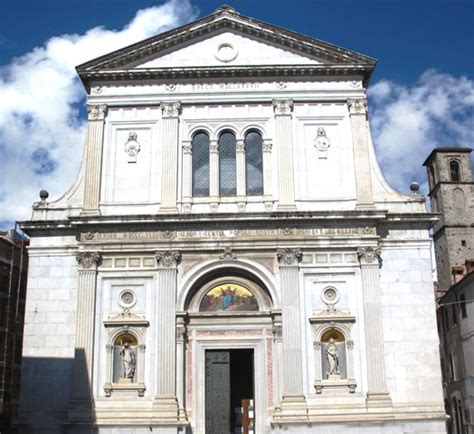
226,52
127,298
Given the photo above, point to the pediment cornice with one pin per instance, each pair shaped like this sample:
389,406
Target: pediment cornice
225,18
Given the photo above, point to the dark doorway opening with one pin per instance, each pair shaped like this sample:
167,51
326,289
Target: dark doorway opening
229,391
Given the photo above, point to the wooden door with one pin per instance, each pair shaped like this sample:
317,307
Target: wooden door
218,392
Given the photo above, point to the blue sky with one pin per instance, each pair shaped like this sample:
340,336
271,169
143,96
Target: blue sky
422,92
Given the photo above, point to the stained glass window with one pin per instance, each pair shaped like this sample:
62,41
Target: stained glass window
227,165
200,164
253,163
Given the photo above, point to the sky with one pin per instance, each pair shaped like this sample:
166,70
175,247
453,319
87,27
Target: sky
420,96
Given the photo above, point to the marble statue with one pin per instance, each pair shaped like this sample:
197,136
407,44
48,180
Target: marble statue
332,357
128,361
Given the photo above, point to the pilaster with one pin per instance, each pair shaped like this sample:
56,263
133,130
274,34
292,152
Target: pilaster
95,135
166,404
181,337
377,393
214,173
284,143
267,174
170,116
293,404
187,175
360,138
82,397
241,178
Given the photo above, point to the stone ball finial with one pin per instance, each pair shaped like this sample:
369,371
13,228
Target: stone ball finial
43,195
414,187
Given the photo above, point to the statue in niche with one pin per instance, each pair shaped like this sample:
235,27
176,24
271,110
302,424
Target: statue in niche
129,361
322,143
332,358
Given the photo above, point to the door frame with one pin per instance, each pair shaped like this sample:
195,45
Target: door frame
257,344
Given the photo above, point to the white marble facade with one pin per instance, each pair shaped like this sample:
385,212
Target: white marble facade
328,250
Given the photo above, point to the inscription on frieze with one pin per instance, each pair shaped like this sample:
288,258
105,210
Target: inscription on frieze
284,233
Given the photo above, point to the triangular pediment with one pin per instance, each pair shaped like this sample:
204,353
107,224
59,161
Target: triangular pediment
223,40
228,49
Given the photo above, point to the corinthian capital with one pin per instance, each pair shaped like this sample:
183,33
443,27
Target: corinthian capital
289,256
283,106
88,260
97,112
369,255
357,106
170,109
168,258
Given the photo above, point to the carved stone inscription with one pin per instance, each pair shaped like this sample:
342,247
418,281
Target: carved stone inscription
284,233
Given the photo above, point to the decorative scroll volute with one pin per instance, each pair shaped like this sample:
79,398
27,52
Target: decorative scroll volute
357,106
88,260
369,255
170,109
289,256
282,106
97,112
168,258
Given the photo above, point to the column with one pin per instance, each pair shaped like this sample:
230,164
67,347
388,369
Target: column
187,175
166,404
82,395
377,394
169,183
181,335
95,135
214,173
360,138
293,395
267,174
241,175
284,142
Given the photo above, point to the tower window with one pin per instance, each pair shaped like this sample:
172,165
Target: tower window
454,171
463,243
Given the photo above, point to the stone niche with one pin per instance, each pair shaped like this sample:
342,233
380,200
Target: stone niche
125,349
333,347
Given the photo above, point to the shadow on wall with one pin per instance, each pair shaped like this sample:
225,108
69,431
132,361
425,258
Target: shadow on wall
46,396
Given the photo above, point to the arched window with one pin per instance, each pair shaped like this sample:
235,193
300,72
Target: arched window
227,164
254,163
200,146
454,171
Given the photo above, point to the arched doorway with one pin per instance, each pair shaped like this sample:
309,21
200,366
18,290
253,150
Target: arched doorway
229,358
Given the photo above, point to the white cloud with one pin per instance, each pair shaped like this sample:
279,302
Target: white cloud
408,122
41,127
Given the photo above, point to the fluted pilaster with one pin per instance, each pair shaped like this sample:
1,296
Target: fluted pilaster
166,310
291,326
360,137
377,394
169,189
284,143
84,344
95,134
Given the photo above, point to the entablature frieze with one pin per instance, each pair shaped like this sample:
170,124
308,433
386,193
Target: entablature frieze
236,234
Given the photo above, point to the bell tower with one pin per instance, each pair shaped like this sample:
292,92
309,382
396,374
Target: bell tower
451,191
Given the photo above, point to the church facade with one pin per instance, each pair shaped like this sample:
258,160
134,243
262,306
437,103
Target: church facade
230,257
